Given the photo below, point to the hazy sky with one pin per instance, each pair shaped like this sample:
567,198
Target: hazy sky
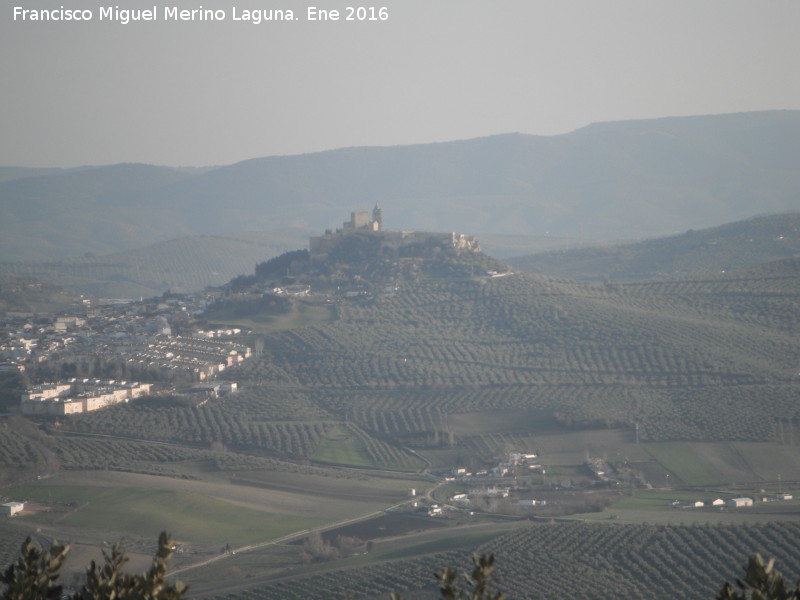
216,92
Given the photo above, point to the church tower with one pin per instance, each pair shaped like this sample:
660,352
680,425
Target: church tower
377,225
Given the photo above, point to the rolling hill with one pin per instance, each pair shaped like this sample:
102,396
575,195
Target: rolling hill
27,295
193,263
702,359
606,181
733,246
180,265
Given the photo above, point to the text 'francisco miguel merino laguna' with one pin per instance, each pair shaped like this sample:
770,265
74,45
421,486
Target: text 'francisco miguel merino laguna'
174,13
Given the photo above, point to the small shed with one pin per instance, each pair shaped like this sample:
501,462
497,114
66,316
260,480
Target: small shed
11,508
740,502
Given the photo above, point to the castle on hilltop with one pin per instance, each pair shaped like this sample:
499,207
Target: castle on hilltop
362,223
361,220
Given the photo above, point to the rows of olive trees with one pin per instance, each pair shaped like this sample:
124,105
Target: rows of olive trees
676,572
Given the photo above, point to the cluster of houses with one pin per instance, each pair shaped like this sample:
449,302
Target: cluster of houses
200,357
466,499
516,464
219,333
492,483
739,502
78,396
103,330
717,502
145,338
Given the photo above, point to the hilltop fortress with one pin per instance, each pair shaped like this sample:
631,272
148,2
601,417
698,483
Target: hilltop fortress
363,224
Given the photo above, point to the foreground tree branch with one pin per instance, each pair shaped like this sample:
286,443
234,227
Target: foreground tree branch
33,576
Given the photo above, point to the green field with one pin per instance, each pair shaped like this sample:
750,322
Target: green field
301,314
770,461
341,447
688,465
148,511
445,541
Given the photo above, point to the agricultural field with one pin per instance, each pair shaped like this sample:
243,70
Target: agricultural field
393,537
690,386
298,315
202,511
675,506
189,516
348,445
604,560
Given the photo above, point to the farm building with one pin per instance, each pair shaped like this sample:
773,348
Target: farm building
739,502
718,502
532,502
11,508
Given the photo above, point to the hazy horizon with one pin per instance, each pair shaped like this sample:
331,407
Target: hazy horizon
333,149
208,93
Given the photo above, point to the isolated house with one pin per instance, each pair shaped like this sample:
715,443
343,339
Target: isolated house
11,508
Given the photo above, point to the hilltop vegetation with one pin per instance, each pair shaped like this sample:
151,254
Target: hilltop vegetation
366,261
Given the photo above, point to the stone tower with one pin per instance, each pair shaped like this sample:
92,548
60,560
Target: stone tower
376,218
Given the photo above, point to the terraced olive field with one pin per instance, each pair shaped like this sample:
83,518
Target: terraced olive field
582,560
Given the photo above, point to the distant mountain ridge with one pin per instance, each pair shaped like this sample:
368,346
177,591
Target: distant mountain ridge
605,181
9,173
729,247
